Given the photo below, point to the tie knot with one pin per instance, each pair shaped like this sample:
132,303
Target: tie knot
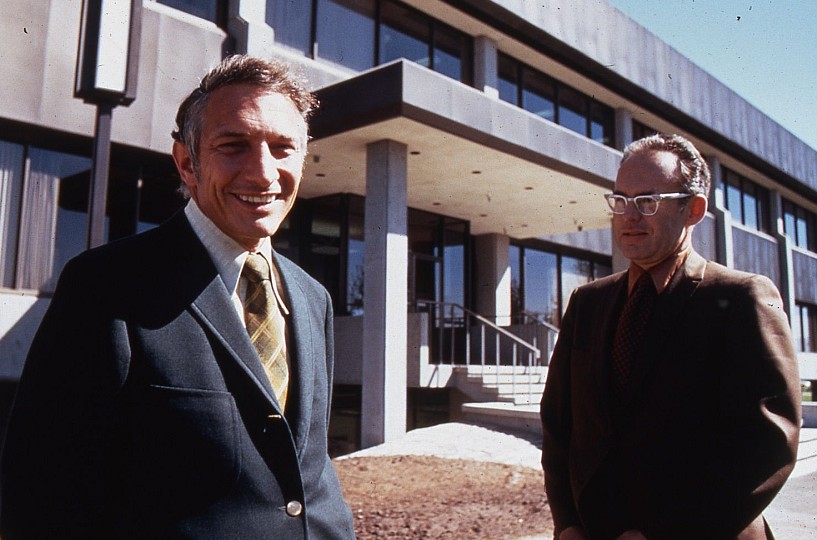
256,268
643,286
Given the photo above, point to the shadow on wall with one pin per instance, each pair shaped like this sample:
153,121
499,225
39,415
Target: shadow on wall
14,343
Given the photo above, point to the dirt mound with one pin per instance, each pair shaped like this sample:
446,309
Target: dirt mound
430,497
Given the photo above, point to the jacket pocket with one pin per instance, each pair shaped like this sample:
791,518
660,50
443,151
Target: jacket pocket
184,448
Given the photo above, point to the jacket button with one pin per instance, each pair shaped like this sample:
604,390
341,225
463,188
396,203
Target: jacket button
294,508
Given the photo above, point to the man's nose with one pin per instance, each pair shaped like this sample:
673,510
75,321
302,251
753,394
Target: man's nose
266,167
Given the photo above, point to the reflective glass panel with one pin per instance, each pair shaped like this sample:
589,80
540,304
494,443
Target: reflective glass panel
292,22
11,195
508,79
575,272
452,53
516,280
404,33
541,284
204,9
572,110
345,32
454,263
355,255
750,214
538,95
733,197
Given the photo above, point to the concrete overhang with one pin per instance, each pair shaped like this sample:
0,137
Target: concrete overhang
471,156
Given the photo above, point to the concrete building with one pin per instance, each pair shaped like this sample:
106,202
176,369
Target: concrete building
452,197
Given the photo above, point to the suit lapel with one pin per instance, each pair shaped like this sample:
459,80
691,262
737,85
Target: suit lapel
195,277
216,311
606,324
300,350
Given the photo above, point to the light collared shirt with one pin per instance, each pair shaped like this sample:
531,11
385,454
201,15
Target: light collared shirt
228,257
662,273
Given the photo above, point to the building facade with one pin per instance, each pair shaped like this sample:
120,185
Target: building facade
454,181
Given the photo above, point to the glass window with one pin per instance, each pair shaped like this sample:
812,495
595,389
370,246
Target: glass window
514,255
601,270
800,225
452,53
204,9
573,110
547,281
11,194
538,95
541,284
404,33
734,201
804,327
60,182
345,32
750,215
508,79
454,239
292,22
355,258
602,122
641,130
746,201
575,272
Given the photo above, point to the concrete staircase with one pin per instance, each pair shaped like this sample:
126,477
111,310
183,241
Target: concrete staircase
504,396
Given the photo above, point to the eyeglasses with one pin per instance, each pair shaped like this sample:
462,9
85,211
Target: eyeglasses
647,205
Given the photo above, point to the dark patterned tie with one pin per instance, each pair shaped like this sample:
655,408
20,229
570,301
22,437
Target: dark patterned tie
630,332
265,324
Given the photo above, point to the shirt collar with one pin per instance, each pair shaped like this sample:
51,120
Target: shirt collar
227,254
661,273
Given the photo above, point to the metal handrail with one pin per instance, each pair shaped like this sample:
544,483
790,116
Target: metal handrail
528,350
539,318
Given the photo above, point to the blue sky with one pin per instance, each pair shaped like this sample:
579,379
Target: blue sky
765,50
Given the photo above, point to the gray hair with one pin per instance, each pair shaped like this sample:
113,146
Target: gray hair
696,177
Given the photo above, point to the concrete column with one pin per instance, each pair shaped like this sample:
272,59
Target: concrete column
486,74
247,24
785,260
724,242
623,127
385,294
493,274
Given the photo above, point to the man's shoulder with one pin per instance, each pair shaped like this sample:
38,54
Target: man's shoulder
602,284
718,275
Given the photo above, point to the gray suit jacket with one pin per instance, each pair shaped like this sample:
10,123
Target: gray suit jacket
143,410
709,433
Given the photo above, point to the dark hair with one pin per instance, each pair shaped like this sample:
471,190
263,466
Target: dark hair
271,75
695,174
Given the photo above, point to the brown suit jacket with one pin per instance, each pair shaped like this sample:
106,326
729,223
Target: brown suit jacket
709,433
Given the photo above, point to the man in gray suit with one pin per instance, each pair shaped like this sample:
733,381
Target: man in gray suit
672,405
149,407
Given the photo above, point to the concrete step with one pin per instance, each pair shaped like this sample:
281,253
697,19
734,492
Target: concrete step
508,378
518,388
493,369
505,415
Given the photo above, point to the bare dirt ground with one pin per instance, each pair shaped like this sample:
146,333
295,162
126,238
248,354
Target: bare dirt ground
418,496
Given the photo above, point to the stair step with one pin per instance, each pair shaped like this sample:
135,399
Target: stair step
521,378
489,370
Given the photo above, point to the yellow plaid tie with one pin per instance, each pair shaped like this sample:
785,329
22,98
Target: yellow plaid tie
265,324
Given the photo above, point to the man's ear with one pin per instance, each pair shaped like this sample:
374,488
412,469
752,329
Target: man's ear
697,209
184,164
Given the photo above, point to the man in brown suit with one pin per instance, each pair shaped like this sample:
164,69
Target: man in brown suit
672,406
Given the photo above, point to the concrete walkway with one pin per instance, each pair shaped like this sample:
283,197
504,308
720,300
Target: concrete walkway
792,515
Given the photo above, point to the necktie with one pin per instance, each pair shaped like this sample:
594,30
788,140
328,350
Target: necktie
265,324
630,333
